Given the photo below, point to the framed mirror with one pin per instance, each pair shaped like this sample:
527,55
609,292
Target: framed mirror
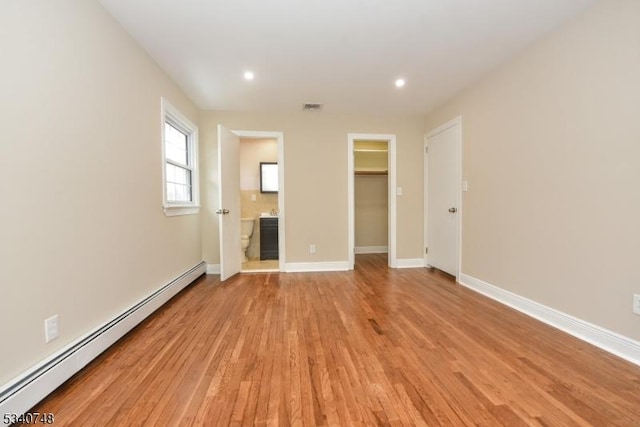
268,177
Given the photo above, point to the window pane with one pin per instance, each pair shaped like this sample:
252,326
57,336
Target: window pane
177,175
178,184
182,176
179,193
183,193
170,173
176,144
171,192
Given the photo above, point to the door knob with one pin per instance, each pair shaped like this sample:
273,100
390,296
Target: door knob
222,211
453,210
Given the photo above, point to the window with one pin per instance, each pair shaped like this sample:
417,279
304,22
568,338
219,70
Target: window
180,162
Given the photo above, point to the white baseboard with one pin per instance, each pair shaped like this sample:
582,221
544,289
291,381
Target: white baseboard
23,392
301,267
619,345
371,249
410,263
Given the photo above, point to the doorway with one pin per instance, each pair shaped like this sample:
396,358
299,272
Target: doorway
231,219
375,156
443,199
371,197
259,209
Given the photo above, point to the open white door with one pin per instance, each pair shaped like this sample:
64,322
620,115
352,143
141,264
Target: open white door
229,207
443,197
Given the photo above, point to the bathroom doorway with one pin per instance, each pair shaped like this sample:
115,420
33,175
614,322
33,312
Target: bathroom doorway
371,192
261,201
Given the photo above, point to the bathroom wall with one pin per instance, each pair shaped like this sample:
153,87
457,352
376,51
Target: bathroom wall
252,152
264,202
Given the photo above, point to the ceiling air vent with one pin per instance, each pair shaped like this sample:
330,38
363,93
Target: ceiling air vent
311,107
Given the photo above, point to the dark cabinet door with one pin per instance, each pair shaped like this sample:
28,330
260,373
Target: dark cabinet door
269,238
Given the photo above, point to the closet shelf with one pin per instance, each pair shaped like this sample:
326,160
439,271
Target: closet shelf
371,172
371,150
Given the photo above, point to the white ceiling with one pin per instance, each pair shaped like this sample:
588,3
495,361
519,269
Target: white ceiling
345,54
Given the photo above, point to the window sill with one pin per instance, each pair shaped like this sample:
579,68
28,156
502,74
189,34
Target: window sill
176,210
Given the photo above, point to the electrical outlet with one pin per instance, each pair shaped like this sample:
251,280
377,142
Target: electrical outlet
312,248
51,328
636,303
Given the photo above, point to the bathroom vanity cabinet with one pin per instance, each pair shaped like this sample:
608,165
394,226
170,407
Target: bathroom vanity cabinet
269,238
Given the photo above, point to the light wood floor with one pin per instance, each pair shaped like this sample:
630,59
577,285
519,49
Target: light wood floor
256,264
369,347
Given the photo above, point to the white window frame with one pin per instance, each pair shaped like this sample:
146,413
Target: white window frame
178,120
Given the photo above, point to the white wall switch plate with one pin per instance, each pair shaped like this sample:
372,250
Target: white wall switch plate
636,303
465,185
51,328
312,248
399,191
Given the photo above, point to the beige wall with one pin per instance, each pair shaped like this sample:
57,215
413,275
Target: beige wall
371,217
82,230
315,163
551,154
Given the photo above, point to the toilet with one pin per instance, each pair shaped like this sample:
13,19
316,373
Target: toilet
246,230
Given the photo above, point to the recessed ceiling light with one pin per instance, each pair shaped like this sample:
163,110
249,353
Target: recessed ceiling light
400,82
248,75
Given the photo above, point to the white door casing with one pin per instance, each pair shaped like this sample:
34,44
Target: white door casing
392,203
443,204
229,202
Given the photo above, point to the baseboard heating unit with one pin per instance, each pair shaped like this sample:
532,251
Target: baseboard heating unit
22,393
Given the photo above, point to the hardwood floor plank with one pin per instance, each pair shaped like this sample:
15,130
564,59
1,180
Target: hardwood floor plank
373,346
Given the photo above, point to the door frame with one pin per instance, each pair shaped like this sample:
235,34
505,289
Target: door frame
279,137
457,123
392,220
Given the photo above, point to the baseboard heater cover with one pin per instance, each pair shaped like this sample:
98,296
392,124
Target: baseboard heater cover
22,393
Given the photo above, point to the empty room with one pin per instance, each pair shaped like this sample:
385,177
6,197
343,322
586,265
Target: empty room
320,213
